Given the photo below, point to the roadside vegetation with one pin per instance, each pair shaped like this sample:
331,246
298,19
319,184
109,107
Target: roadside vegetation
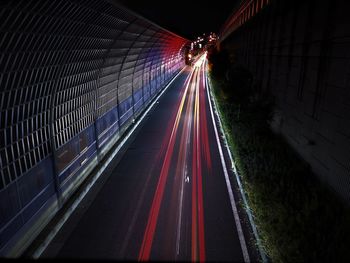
298,218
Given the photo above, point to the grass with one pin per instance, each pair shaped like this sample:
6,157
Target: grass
297,217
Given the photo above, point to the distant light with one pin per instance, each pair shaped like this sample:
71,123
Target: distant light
189,55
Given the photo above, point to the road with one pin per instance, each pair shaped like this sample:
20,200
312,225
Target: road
167,196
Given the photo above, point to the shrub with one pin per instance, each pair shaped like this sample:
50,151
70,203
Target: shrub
298,218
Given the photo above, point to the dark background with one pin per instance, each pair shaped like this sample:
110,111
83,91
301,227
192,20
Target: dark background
188,19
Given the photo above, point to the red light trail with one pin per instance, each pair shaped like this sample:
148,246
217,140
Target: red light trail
189,124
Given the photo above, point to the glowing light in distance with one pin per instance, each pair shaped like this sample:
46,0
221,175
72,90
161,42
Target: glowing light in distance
200,60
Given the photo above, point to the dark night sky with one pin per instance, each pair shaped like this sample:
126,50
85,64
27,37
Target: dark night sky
185,18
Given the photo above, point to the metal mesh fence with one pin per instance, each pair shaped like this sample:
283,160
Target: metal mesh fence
73,74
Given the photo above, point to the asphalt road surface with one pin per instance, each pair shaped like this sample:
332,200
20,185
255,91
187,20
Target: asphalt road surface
167,196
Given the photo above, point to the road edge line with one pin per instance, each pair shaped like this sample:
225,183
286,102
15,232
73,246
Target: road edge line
229,187
234,169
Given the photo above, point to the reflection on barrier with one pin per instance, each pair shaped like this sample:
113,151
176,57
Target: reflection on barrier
73,76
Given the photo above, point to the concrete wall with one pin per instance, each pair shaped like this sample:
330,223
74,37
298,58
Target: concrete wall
73,76
299,51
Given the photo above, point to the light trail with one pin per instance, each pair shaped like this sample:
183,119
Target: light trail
190,123
181,167
204,123
145,188
194,188
199,177
198,237
153,216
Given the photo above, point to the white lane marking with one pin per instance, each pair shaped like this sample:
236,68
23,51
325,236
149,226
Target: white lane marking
229,189
75,204
246,205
